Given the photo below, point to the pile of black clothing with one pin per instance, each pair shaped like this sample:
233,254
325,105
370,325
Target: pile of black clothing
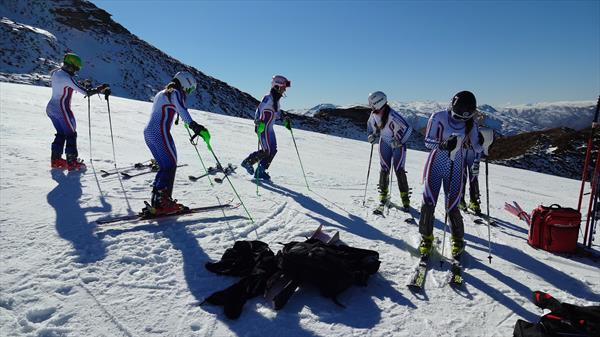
331,268
564,319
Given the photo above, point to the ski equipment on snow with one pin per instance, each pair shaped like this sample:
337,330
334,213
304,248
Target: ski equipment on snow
147,216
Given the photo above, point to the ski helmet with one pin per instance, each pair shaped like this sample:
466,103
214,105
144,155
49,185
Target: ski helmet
377,100
186,80
73,60
464,105
280,83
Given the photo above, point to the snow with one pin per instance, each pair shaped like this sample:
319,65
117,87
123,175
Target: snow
63,275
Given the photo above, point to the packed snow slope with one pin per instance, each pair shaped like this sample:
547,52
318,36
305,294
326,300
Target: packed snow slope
63,275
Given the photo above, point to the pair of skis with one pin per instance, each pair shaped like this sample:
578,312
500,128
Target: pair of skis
150,166
141,216
228,170
454,277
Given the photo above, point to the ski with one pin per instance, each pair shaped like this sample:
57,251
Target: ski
153,169
142,217
139,166
417,278
214,170
210,171
229,170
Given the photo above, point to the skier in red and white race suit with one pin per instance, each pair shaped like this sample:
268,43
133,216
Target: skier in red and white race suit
268,111
61,115
157,134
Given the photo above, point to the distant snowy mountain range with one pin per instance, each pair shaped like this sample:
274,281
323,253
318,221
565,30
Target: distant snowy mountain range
35,34
515,119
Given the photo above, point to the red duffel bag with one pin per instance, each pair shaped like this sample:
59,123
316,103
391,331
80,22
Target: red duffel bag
554,228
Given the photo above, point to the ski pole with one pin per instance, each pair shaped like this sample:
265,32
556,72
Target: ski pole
112,139
446,206
232,187
300,160
587,239
487,199
90,128
198,153
588,152
368,172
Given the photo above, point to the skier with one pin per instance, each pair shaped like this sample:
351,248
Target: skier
392,131
471,174
444,130
157,134
59,111
267,112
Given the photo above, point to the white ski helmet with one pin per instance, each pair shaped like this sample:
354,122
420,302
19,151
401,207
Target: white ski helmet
187,81
281,82
377,100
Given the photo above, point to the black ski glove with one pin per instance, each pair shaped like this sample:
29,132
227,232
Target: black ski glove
449,144
197,128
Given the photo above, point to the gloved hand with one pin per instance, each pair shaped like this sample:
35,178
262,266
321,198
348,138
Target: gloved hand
475,168
372,138
201,131
259,127
448,144
287,123
395,143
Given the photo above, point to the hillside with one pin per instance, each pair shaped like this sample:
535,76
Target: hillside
64,275
37,33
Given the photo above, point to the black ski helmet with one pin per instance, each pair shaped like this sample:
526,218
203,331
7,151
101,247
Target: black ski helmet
464,105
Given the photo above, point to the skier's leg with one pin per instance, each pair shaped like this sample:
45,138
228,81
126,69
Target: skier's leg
432,179
399,161
271,148
457,229
385,161
165,155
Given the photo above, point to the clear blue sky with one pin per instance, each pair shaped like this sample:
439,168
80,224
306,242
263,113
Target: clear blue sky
339,51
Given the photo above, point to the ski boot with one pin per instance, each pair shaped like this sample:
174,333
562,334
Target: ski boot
384,196
405,201
462,205
58,163
474,207
162,204
426,245
262,174
248,166
75,164
457,246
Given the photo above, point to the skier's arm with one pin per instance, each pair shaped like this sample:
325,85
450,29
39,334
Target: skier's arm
180,106
403,131
433,134
474,139
76,86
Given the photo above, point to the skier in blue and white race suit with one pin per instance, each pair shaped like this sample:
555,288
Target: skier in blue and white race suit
444,130
393,132
157,134
61,115
267,113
